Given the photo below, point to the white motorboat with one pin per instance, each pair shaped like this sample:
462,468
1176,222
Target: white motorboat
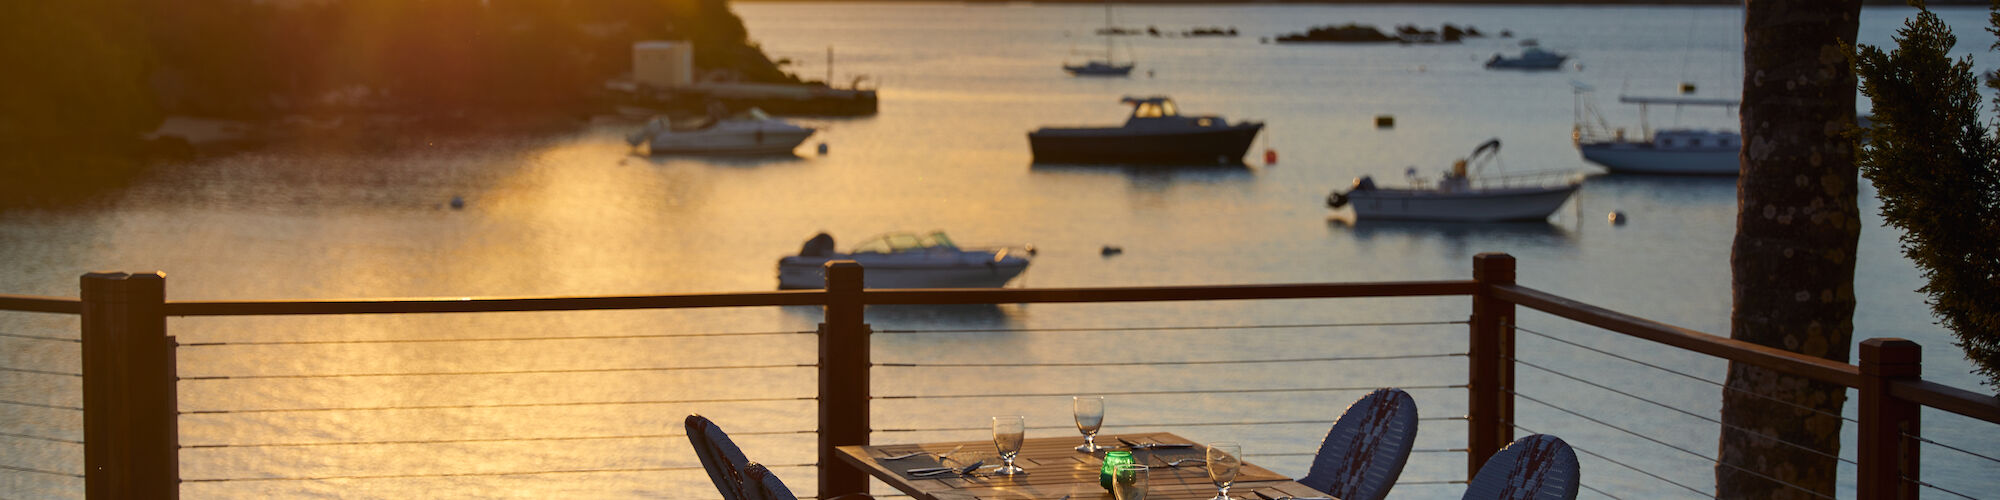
750,132
1460,197
1674,151
906,260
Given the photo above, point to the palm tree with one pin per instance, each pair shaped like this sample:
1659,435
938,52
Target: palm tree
1797,223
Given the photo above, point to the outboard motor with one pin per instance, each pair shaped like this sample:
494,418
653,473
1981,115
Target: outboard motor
1338,199
821,245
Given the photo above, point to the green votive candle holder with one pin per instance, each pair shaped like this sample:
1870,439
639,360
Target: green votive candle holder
1112,459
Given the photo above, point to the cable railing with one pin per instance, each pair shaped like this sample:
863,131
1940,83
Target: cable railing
40,443
126,319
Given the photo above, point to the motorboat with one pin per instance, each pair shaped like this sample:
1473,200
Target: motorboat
1458,196
1532,57
750,132
1672,151
1155,133
906,260
1108,66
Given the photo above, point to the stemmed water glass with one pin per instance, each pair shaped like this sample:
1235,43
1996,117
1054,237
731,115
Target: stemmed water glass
1089,418
1224,460
1007,435
1128,482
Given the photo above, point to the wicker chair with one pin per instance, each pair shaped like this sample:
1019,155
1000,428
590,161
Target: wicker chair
736,477
724,461
1537,467
1365,451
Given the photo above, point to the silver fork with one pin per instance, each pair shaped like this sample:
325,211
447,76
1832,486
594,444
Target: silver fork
1177,463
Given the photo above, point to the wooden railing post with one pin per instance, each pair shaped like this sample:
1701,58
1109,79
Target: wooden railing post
843,380
130,433
1886,457
1490,415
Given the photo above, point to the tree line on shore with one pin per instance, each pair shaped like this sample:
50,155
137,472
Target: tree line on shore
96,74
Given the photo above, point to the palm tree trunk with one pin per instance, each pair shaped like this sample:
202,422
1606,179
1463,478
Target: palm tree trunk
1793,259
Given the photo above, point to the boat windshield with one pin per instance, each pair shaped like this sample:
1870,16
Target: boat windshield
904,242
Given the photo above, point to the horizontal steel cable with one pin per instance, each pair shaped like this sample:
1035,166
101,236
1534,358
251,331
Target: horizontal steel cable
39,405
462,474
1313,453
1173,328
1597,491
1736,428
41,337
1150,425
494,339
1949,447
497,372
1670,445
496,405
38,372
39,471
1162,363
40,438
1148,393
1689,376
1625,465
1936,487
478,440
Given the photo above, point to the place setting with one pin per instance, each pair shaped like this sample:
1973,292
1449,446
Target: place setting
1131,466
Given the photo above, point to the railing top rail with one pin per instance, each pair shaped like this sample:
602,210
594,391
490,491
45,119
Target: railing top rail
1169,293
476,304
818,297
1952,399
1713,345
30,303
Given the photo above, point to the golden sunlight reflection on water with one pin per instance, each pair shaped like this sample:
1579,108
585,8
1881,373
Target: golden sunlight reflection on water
578,214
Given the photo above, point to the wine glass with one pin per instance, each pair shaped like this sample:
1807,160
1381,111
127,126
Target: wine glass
1224,460
1007,435
1128,482
1089,418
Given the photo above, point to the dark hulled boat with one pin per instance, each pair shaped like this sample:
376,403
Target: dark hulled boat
1156,133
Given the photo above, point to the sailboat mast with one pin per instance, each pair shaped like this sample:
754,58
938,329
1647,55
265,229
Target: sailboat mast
1107,35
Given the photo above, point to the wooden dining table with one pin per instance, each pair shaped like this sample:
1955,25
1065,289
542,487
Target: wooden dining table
1056,470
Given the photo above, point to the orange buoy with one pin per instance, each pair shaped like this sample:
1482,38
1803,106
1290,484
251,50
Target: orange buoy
1270,156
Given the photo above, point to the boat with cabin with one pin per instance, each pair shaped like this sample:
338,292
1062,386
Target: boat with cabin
1155,133
1532,57
906,260
1459,196
1670,151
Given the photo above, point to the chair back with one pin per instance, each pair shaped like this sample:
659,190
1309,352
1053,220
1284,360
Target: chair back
720,456
760,483
1366,450
1537,467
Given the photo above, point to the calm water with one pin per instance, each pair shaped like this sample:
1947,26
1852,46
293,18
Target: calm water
961,84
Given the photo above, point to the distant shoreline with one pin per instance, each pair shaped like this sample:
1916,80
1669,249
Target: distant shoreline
1527,3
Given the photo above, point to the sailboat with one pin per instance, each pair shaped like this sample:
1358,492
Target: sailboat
1106,67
